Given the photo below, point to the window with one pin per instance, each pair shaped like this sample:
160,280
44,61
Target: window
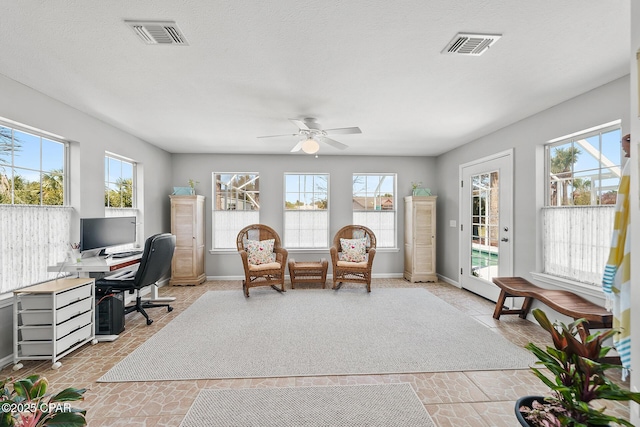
236,204
583,174
34,221
119,182
32,168
306,210
374,206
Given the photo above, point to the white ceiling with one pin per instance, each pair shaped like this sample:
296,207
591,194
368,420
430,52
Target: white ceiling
252,64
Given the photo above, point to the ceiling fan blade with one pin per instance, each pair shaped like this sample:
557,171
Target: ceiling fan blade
301,125
343,131
278,136
333,142
297,147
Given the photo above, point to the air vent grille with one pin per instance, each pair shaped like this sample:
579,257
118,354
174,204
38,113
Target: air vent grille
158,32
471,44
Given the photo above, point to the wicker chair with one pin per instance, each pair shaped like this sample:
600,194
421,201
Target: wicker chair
268,274
345,271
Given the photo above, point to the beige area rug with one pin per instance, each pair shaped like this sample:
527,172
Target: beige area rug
317,332
385,405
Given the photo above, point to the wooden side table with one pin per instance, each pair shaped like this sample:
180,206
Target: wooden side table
308,272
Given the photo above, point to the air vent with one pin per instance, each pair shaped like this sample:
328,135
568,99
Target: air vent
158,32
471,44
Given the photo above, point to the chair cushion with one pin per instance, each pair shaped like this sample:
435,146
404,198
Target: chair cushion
267,266
353,250
362,264
260,252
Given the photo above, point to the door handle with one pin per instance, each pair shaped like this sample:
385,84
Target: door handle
504,239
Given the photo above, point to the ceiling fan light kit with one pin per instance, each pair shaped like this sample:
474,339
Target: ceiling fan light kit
312,133
310,146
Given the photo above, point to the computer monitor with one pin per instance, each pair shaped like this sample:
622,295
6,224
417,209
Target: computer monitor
97,234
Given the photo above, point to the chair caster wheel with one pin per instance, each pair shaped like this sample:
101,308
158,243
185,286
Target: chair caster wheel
169,309
149,321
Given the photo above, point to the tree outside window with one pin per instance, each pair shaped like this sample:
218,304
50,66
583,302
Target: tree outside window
32,169
119,183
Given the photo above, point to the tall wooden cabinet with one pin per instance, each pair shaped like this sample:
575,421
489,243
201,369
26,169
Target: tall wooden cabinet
187,224
420,238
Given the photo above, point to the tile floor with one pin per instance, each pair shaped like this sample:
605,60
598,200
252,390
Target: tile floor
452,399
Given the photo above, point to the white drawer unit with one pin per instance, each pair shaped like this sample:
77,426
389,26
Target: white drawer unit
52,319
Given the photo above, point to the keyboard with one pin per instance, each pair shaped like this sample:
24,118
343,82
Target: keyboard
125,254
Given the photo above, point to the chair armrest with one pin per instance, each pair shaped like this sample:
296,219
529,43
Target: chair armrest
333,250
281,255
372,253
244,256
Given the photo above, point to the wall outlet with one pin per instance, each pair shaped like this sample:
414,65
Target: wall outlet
452,223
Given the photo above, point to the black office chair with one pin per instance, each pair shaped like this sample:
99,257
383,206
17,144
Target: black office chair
154,264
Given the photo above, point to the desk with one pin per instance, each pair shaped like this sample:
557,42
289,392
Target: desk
96,265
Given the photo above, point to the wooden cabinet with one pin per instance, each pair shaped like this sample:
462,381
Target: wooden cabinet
187,224
420,238
52,319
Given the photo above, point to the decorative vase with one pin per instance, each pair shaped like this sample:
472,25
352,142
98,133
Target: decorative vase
525,401
421,191
75,255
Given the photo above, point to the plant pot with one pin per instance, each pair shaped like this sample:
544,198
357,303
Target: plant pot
525,401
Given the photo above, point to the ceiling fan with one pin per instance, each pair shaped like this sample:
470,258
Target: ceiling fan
312,133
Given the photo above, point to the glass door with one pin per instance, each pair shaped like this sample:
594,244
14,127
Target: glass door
485,221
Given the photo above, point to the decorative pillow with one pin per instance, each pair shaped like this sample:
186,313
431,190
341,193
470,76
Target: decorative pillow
353,250
260,252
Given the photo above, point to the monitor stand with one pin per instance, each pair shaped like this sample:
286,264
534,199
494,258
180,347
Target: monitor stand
92,253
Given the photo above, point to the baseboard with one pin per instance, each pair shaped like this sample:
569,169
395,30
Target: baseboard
449,281
6,361
374,276
223,278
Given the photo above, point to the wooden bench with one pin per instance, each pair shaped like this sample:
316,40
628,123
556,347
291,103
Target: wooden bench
564,302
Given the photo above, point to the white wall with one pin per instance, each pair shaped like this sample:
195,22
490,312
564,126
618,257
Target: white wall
526,137
272,169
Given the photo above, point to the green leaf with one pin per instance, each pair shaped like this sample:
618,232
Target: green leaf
39,388
67,419
69,394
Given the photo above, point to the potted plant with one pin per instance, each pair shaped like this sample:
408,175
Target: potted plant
28,404
192,185
577,378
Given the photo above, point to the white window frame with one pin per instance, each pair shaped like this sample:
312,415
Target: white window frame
225,224
107,183
372,218
581,271
13,126
306,228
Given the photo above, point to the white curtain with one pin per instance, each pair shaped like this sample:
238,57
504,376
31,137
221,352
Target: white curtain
227,224
31,239
382,223
306,229
576,241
